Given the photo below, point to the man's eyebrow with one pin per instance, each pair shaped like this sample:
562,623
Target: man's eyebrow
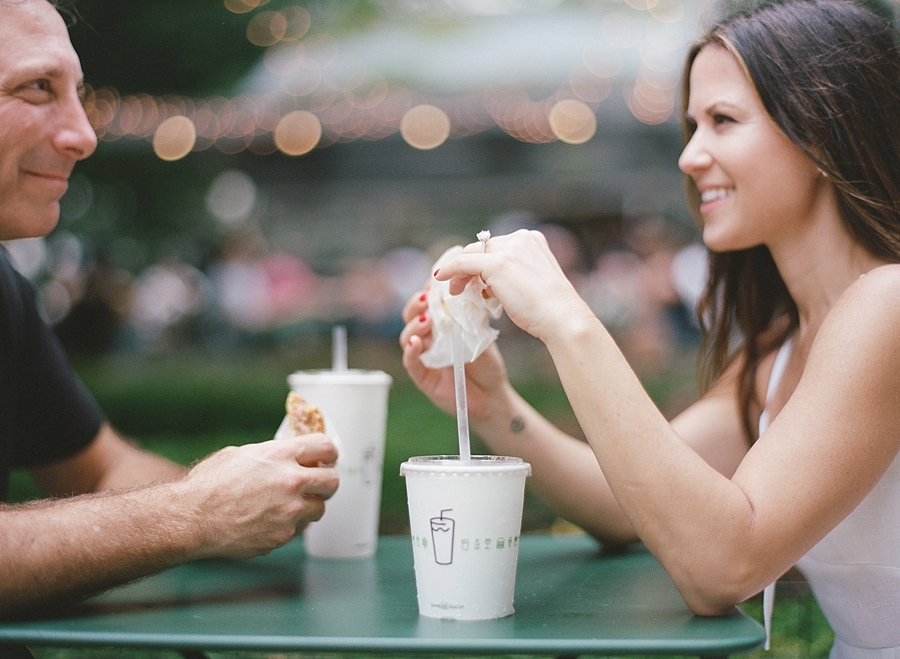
50,72
42,70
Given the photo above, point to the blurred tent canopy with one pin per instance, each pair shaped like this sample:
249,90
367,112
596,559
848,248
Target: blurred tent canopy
398,120
359,68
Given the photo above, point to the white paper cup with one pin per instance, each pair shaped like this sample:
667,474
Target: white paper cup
465,520
354,405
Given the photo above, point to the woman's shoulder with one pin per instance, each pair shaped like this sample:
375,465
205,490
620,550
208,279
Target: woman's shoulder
879,286
868,311
887,273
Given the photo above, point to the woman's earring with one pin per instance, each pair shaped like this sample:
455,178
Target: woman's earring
822,172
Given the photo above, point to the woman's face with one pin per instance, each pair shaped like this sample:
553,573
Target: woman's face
756,186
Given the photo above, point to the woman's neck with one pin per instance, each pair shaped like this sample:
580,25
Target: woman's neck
818,267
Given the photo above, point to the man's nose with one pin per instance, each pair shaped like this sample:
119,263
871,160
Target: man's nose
75,135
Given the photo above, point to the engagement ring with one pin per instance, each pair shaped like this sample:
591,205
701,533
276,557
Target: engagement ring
483,237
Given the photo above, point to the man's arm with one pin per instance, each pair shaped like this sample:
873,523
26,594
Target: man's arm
239,502
108,462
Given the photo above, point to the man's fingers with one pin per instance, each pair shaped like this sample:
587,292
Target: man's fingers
314,508
314,449
322,482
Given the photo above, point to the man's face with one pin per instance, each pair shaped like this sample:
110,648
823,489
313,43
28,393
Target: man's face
43,128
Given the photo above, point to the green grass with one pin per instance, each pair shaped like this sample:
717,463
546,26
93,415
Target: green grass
189,405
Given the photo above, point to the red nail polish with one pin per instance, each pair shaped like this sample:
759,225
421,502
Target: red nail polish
423,297
423,318
436,271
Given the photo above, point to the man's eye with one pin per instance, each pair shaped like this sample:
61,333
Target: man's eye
36,91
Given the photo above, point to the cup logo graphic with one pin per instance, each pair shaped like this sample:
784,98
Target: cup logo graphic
443,530
369,465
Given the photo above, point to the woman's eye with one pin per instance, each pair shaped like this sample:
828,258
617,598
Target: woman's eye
719,119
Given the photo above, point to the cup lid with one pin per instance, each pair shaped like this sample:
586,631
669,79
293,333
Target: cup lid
478,464
349,376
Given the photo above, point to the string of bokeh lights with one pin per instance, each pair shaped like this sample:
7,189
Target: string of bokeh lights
318,107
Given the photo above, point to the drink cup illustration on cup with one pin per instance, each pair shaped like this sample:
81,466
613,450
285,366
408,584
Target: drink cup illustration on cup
443,530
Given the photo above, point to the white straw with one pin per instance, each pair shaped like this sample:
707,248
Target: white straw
462,408
339,348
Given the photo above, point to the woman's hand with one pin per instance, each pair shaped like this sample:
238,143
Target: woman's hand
521,271
485,377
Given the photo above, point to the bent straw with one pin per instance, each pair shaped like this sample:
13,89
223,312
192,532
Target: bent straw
339,348
462,408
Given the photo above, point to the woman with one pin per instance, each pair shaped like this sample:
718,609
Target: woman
792,162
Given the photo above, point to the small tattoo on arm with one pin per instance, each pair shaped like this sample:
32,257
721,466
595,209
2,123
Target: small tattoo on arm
517,424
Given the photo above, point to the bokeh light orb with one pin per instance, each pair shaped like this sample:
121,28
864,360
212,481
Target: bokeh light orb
174,138
298,132
297,22
668,11
243,6
231,197
572,121
425,127
266,28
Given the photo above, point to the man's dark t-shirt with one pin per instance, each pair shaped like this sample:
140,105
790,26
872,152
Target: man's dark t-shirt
46,414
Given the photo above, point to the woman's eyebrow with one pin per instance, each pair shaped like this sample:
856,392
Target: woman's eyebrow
718,106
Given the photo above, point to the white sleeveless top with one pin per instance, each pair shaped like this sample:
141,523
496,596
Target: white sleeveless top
854,571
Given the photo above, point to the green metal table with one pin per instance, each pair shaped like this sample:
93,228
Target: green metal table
571,599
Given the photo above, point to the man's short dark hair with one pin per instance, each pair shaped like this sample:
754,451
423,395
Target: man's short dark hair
66,8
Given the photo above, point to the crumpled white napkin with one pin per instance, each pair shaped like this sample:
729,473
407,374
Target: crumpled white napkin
470,309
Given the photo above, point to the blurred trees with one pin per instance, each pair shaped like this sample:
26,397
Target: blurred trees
162,46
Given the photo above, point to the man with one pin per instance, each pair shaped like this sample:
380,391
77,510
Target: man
125,513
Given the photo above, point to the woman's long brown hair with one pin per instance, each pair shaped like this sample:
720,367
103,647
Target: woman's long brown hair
828,74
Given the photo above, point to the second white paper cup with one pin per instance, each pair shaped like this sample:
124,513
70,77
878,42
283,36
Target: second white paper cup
465,520
354,404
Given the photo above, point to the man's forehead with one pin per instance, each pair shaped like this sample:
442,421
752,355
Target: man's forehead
34,35
20,17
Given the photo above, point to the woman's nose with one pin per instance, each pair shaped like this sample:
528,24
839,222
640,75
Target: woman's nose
694,158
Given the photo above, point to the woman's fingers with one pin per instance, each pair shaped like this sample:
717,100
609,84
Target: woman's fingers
415,305
521,271
419,325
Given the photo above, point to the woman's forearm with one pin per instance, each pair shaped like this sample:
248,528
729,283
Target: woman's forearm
513,427
693,518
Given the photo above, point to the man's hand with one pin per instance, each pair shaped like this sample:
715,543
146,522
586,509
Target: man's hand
251,499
